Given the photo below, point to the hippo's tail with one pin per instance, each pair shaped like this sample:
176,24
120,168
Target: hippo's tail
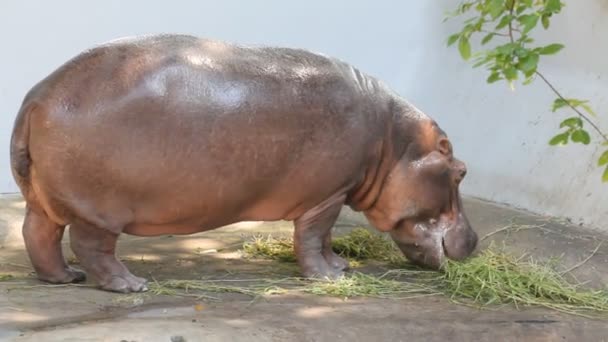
20,154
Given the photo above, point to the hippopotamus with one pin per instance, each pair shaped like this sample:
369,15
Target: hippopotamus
176,134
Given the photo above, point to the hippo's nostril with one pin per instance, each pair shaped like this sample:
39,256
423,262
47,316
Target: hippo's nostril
463,172
460,171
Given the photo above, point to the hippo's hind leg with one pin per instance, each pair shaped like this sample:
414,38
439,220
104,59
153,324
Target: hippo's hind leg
312,241
43,244
95,248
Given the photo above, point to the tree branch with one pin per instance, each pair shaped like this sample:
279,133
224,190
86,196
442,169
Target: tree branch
581,114
511,21
495,33
585,117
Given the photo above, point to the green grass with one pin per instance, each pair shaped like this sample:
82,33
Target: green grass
358,245
361,244
5,277
277,248
491,277
496,277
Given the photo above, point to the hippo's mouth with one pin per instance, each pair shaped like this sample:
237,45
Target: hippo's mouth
432,251
429,255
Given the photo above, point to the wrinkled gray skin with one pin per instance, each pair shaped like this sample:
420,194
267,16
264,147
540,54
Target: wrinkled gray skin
177,135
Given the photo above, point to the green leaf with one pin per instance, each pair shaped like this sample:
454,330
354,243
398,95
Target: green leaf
603,159
573,122
551,49
510,73
453,38
482,61
581,136
545,21
587,108
576,102
528,64
464,47
465,7
520,9
521,52
487,38
553,6
559,103
605,175
504,21
528,80
506,49
496,8
560,139
495,76
529,21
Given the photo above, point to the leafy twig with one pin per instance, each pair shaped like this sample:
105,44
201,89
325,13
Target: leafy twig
516,57
595,127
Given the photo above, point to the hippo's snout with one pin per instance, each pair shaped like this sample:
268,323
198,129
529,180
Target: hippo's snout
433,244
460,244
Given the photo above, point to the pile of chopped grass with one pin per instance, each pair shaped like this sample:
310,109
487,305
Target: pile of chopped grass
496,277
280,248
360,244
492,277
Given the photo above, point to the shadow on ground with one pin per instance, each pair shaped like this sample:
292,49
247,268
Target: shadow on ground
32,311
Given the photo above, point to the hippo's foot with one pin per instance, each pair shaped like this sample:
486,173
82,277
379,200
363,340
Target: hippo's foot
335,261
124,283
95,248
322,271
65,276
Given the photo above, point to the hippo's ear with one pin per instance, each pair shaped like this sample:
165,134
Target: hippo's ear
444,146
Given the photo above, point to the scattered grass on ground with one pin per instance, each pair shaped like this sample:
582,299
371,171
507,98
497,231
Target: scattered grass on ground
5,277
491,277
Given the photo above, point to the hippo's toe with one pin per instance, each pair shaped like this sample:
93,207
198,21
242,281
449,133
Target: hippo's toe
325,272
66,276
337,262
125,283
77,275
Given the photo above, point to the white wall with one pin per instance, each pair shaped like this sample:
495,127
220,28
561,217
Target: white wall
500,134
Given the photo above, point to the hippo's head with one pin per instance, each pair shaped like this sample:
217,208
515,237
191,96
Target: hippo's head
420,204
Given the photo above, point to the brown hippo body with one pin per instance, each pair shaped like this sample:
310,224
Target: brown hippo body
177,135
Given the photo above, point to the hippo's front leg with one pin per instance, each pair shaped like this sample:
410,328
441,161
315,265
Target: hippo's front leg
312,239
95,248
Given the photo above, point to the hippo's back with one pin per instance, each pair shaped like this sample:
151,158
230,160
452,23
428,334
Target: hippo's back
191,68
165,129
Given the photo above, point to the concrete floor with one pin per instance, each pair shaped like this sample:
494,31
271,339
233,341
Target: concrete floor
32,311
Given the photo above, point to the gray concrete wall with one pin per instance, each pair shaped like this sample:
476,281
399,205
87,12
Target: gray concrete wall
501,134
